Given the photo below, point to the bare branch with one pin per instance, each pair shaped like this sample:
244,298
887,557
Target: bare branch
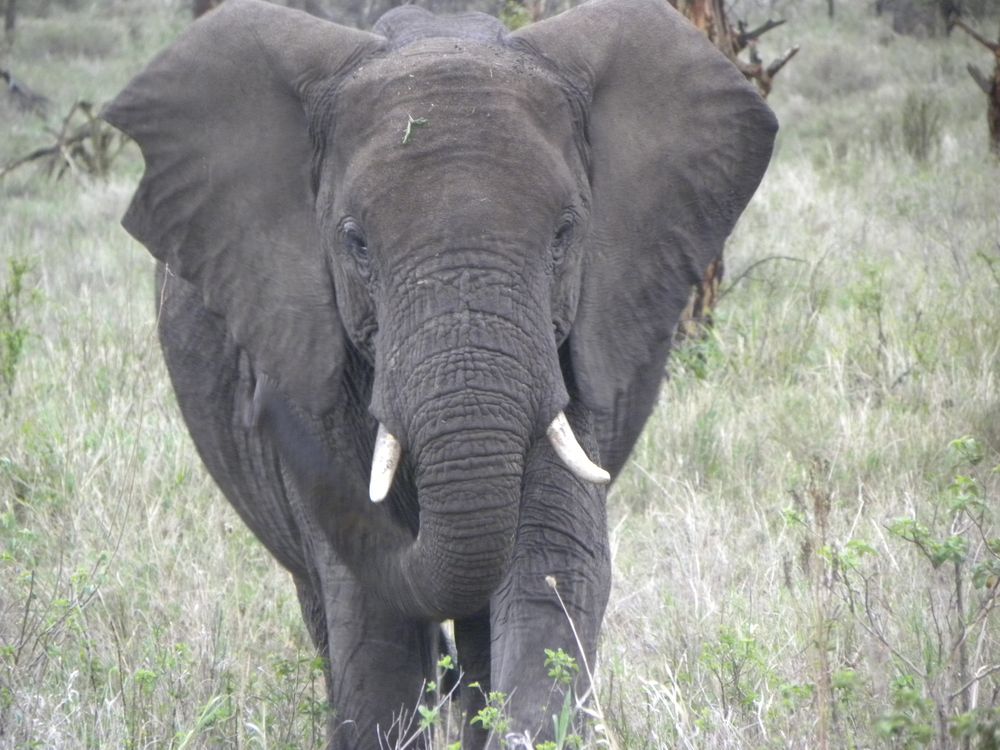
994,47
980,78
869,623
981,673
746,37
40,153
747,271
774,67
89,146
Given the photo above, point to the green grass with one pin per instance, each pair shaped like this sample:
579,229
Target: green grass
761,503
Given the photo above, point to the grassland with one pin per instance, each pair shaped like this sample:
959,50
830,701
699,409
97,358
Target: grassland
804,541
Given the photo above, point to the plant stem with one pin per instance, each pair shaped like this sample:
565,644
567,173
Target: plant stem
963,648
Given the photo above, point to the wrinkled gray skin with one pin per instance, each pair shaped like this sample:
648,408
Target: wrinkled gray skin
528,250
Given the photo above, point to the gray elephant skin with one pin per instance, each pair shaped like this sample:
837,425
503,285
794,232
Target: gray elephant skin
453,238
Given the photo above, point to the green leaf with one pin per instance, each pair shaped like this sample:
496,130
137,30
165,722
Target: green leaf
909,529
793,517
986,575
561,722
428,717
562,667
953,549
965,494
967,450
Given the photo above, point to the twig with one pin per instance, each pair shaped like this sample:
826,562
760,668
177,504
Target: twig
746,272
980,78
994,47
980,674
24,621
746,37
69,151
991,264
982,612
871,626
774,67
413,122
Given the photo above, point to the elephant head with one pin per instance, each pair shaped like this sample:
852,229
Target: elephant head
461,230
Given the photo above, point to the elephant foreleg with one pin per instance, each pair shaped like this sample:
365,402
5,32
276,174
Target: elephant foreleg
472,640
379,664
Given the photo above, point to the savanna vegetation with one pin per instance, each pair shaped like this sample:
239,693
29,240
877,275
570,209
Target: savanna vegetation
807,538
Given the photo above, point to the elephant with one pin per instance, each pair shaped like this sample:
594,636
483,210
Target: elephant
416,288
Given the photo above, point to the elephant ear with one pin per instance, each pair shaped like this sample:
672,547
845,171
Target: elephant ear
679,142
226,201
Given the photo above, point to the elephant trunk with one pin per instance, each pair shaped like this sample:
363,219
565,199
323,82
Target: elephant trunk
467,377
468,454
465,428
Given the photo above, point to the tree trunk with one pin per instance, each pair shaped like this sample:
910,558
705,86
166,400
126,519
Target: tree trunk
829,8
710,17
990,85
697,316
993,112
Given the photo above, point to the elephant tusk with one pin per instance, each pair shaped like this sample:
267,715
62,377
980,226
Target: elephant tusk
564,442
385,461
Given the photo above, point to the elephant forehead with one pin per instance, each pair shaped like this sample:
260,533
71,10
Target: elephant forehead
460,92
444,123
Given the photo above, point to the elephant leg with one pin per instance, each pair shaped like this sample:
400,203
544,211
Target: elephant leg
472,640
562,536
378,665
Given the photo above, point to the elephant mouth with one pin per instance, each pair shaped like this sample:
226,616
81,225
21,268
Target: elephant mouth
388,453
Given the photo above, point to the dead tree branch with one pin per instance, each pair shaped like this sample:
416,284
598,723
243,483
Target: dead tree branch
993,47
990,87
84,144
745,38
981,79
774,67
710,17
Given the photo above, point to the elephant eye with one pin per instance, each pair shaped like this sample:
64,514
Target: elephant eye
356,245
562,240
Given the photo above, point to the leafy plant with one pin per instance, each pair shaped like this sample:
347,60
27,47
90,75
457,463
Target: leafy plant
515,15
908,724
493,717
932,692
735,660
562,667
